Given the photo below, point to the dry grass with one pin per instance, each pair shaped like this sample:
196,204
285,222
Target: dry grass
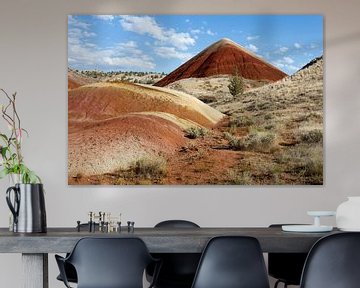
285,122
304,161
259,141
149,167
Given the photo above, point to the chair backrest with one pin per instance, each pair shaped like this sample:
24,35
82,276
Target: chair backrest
177,269
333,262
110,262
232,262
176,224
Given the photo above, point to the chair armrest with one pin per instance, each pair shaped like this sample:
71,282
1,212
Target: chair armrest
158,264
61,264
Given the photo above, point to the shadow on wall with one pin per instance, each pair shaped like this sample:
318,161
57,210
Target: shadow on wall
343,39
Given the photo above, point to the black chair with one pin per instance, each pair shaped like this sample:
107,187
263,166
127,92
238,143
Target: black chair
178,269
69,269
108,263
232,262
286,267
333,262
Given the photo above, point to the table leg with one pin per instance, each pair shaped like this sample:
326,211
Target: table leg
35,270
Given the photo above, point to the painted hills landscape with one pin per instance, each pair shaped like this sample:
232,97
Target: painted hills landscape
187,128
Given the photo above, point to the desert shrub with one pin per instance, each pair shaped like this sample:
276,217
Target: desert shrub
149,167
241,121
268,116
305,161
234,142
255,140
240,177
311,136
269,126
236,85
195,132
314,167
265,105
260,141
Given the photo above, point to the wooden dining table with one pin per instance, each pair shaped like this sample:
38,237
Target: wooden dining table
35,247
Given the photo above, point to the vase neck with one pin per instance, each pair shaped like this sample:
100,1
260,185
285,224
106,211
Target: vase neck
15,179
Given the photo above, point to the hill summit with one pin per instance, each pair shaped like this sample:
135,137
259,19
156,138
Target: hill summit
224,57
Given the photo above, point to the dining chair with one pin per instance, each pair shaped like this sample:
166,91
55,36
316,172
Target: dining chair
108,263
333,262
286,267
178,269
70,271
232,262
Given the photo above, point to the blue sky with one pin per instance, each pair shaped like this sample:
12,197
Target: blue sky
161,43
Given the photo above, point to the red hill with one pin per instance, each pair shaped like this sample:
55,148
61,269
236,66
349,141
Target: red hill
224,57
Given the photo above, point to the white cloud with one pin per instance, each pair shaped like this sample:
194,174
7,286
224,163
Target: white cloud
286,63
195,31
283,49
146,25
251,38
105,17
74,22
170,52
252,47
124,55
211,33
297,45
288,60
82,50
128,62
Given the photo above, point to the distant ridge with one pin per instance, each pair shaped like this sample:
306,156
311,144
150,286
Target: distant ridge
224,57
312,62
76,80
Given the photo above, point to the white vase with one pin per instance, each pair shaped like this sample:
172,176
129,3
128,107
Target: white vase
14,179
348,215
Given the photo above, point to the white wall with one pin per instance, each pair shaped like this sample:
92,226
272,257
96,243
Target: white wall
33,62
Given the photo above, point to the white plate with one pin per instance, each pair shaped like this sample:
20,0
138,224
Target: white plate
306,228
321,213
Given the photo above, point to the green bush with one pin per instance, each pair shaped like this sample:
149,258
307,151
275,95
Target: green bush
195,132
236,85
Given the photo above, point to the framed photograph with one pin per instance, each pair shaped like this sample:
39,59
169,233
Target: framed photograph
195,99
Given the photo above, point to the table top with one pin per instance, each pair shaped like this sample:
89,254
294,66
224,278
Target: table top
158,240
